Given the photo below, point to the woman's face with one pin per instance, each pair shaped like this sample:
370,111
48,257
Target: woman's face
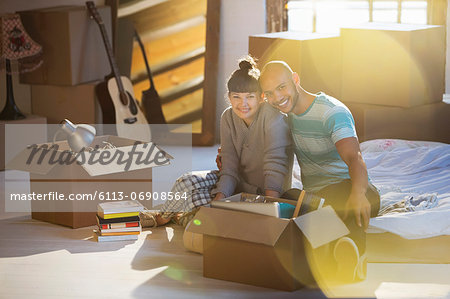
245,105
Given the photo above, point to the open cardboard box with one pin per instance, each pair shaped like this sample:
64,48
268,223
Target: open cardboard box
264,250
106,181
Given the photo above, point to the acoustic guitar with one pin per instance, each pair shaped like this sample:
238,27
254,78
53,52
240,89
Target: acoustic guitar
116,95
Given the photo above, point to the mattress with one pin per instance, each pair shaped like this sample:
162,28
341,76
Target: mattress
401,170
410,169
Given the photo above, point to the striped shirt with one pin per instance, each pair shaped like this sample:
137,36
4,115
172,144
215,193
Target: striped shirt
314,133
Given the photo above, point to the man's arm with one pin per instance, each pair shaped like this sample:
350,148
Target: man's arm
348,149
219,159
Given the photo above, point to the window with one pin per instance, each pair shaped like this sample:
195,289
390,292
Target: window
327,16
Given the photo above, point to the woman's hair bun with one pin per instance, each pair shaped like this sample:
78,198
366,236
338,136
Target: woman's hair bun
245,65
245,78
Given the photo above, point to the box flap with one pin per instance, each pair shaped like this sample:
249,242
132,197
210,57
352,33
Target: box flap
238,225
321,226
126,156
26,161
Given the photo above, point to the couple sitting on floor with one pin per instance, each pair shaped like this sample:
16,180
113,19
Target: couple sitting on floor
256,156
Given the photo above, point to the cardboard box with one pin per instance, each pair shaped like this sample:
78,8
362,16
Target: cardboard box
77,103
72,45
427,122
100,181
316,57
391,64
264,250
30,119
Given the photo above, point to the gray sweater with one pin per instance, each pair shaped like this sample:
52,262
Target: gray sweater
254,158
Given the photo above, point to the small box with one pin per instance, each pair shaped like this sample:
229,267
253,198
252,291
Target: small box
29,119
426,122
264,250
52,175
400,65
316,57
77,103
72,45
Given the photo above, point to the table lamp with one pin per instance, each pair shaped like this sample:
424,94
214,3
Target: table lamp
79,137
16,46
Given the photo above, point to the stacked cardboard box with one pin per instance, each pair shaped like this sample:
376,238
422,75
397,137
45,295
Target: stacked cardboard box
391,76
393,80
428,122
316,57
74,60
77,103
399,65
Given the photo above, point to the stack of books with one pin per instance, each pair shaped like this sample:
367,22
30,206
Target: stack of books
118,221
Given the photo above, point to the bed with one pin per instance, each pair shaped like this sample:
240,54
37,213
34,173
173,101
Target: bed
413,178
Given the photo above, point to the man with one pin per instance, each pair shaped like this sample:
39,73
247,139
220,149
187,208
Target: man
332,167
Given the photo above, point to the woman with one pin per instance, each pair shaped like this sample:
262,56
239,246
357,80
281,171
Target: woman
255,153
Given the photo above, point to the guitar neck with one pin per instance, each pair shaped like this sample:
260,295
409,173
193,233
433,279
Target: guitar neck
109,51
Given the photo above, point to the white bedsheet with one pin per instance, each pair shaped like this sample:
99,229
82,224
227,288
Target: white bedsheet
410,168
400,168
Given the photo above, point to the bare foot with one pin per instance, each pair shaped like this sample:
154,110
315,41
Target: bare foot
162,221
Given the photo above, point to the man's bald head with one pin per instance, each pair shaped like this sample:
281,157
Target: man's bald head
279,85
276,66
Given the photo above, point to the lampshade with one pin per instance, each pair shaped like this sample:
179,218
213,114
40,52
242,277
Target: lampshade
17,45
79,137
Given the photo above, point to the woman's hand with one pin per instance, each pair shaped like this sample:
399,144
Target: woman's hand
272,193
219,196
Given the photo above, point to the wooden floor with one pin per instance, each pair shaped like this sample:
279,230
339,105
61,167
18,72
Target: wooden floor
42,260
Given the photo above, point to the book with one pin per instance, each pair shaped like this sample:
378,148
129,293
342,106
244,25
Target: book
117,215
119,234
119,207
103,223
119,225
119,230
118,220
100,238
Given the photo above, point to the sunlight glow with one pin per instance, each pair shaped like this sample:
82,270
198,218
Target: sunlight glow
331,15
169,232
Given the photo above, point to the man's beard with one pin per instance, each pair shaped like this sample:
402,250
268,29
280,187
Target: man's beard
295,99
